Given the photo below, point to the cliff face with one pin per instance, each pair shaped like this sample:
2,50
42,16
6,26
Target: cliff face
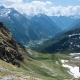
10,51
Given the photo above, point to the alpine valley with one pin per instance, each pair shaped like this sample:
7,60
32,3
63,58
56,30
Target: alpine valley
39,47
28,30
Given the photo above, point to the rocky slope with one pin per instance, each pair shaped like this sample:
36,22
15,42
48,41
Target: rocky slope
9,49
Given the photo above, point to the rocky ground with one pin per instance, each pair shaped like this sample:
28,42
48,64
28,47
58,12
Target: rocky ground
15,75
18,78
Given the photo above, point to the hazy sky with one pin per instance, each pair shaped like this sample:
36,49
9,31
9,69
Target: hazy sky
48,7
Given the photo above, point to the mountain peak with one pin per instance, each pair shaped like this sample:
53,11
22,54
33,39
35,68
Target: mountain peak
41,15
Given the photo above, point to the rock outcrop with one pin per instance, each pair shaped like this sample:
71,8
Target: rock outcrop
10,50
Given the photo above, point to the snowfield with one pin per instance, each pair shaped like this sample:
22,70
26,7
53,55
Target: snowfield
71,54
74,71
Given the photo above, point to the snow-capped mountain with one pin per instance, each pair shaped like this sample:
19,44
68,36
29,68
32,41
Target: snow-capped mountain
23,29
4,12
16,23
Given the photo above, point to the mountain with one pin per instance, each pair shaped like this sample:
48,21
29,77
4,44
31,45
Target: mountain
68,42
16,23
64,21
48,26
10,50
23,29
75,24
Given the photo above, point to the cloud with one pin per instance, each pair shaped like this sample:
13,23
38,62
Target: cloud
11,1
39,7
35,7
65,11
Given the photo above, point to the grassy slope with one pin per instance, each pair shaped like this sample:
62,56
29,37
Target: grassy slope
44,66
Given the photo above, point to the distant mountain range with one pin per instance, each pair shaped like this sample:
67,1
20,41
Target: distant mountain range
64,22
25,30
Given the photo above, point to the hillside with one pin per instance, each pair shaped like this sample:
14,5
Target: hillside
75,24
68,42
9,49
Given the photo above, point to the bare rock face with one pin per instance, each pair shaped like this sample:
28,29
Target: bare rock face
10,50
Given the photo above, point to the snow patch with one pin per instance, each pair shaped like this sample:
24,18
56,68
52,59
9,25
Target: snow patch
71,43
73,35
4,12
77,46
72,54
64,61
76,57
74,71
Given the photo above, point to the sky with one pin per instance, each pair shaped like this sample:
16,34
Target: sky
48,7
